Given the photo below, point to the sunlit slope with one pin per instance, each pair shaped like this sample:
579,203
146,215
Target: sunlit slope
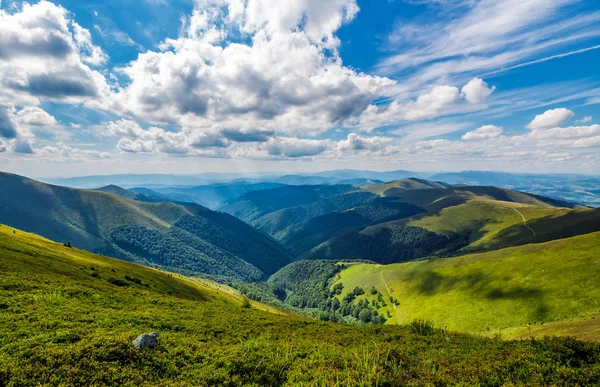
492,224
403,185
68,317
508,288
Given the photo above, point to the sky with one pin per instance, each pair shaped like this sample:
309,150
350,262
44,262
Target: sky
158,86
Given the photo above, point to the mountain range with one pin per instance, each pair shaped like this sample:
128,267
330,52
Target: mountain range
186,237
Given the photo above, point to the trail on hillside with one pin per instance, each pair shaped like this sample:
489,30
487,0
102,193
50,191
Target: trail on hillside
387,288
525,222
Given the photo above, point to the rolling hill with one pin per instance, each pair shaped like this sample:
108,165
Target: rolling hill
551,286
184,238
69,317
408,219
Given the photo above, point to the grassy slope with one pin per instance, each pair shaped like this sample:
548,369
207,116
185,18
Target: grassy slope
493,217
509,288
83,217
405,185
59,325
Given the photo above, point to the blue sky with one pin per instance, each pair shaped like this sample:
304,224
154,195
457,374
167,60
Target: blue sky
101,87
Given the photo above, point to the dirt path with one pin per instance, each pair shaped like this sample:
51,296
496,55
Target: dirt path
525,222
387,288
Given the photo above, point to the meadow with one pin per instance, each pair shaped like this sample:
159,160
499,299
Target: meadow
68,317
537,289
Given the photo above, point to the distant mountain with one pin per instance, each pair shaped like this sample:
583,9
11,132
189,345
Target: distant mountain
187,238
582,189
407,219
214,195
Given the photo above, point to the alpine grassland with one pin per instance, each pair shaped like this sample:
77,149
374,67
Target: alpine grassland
69,317
532,290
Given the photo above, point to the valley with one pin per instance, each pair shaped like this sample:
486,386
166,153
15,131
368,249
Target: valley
382,267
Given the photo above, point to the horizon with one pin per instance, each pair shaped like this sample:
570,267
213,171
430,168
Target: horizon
233,176
197,86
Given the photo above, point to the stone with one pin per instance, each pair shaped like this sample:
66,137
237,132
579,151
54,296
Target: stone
146,340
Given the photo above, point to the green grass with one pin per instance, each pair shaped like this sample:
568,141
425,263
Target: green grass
495,291
63,323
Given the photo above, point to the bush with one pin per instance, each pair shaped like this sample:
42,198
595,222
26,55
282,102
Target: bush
422,327
117,281
246,303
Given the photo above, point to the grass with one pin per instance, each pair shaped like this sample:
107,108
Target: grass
494,224
500,291
61,324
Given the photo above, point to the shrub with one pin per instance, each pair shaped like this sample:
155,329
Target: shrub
422,327
117,281
246,303
358,291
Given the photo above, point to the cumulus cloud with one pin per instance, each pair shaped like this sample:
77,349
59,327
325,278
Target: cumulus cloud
587,142
571,132
551,119
35,116
283,78
294,147
250,135
7,128
44,55
23,145
354,142
584,120
63,151
476,91
438,101
483,133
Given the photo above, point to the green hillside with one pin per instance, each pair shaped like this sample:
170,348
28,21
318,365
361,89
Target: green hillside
504,290
69,317
186,238
408,219
404,185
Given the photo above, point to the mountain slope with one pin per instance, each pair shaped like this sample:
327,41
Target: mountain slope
69,318
186,238
255,204
494,291
468,218
408,219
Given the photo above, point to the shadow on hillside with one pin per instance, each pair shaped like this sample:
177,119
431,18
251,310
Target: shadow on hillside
431,283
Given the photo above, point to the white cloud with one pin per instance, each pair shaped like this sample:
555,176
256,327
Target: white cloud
35,116
476,91
62,151
551,119
436,102
44,56
281,79
587,142
571,132
483,133
7,127
294,147
584,120
354,142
